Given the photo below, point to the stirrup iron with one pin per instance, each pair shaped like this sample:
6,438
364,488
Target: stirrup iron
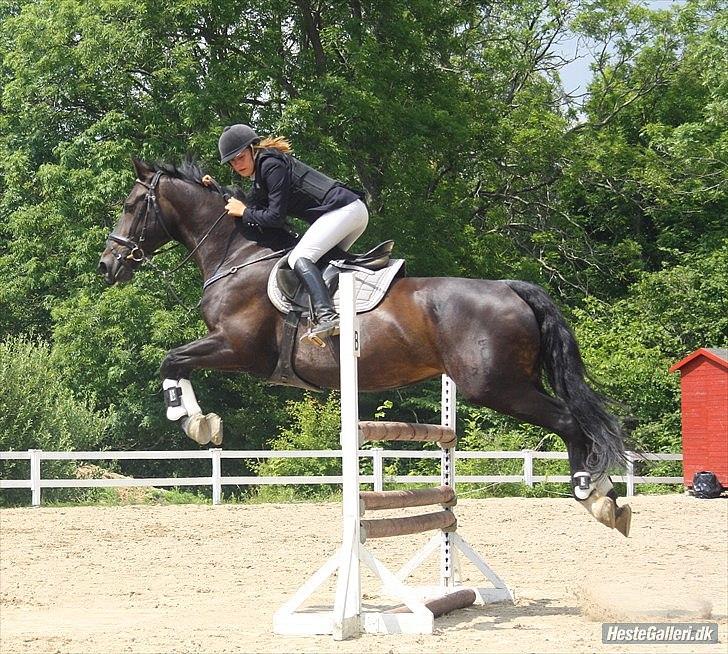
313,338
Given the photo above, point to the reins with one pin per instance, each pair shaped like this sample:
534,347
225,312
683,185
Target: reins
197,247
136,254
233,269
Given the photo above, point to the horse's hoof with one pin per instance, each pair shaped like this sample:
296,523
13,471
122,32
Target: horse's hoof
603,509
214,422
624,519
198,429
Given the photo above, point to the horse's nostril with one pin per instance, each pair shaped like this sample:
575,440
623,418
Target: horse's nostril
102,268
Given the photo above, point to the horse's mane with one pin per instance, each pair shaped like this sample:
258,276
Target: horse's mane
191,171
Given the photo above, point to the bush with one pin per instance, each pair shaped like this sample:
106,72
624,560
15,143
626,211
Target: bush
315,425
38,411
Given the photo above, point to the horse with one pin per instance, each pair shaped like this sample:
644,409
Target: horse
496,339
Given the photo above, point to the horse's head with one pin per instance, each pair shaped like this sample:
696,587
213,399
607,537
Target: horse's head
170,203
140,231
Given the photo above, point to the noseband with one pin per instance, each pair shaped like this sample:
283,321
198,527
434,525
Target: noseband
136,253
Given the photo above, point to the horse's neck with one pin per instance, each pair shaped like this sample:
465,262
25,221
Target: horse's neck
214,239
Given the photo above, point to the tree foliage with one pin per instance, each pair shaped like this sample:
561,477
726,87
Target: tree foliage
453,119
39,411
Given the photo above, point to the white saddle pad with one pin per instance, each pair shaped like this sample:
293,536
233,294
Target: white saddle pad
369,285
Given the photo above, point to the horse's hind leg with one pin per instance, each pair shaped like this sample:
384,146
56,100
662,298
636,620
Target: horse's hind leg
596,496
530,403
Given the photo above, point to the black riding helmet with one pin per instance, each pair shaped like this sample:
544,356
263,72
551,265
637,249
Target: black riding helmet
234,139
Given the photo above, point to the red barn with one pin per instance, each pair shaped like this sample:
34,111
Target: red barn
704,387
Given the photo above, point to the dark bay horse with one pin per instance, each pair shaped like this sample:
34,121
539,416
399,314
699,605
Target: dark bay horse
495,339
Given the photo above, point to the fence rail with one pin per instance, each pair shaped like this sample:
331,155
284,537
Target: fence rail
36,482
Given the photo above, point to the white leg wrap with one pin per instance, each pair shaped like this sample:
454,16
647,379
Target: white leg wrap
189,401
601,485
581,491
174,413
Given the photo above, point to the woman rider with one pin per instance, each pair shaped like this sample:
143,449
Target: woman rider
283,185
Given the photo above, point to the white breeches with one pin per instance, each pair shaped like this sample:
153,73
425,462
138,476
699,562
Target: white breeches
339,227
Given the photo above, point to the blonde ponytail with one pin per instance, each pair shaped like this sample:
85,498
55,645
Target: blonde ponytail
279,143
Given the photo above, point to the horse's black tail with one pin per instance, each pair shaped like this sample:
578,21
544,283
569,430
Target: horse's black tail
566,374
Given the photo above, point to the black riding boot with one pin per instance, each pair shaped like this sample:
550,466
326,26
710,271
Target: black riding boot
326,318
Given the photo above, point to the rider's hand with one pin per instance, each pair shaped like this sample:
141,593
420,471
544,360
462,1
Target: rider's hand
207,180
235,207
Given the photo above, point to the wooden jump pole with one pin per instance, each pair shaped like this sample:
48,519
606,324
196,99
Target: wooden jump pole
416,524
377,500
421,604
459,599
406,431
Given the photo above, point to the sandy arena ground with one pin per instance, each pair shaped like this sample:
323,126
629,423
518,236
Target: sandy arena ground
208,579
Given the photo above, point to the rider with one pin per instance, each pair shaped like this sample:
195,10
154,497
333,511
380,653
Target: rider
284,185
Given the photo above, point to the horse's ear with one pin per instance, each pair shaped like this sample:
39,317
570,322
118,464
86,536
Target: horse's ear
142,169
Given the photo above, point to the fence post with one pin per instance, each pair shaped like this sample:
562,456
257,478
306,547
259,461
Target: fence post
528,467
216,476
378,468
35,476
630,474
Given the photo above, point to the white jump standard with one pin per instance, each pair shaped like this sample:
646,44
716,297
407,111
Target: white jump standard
421,604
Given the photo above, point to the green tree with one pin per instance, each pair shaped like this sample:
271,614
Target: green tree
630,344
451,117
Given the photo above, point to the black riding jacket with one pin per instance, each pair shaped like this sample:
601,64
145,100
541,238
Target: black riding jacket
285,186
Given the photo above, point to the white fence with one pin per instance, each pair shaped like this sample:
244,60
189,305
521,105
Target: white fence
377,479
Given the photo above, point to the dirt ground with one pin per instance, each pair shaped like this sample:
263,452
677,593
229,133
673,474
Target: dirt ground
208,579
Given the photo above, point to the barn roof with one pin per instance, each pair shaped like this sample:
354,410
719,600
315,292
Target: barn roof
717,354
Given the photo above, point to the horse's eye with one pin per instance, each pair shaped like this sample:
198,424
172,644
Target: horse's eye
128,208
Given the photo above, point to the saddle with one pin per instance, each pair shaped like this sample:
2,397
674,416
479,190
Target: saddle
373,271
287,293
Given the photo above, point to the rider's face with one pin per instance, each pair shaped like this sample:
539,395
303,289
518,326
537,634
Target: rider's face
244,164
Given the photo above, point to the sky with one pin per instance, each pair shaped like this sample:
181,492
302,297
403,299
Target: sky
577,74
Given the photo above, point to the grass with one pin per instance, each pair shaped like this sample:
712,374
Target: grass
112,497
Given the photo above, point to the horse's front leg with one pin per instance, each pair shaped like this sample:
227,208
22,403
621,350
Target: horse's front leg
596,493
212,351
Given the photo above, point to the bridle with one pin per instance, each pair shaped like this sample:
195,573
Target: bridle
136,254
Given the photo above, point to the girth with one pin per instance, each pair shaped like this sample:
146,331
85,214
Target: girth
284,374
288,282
